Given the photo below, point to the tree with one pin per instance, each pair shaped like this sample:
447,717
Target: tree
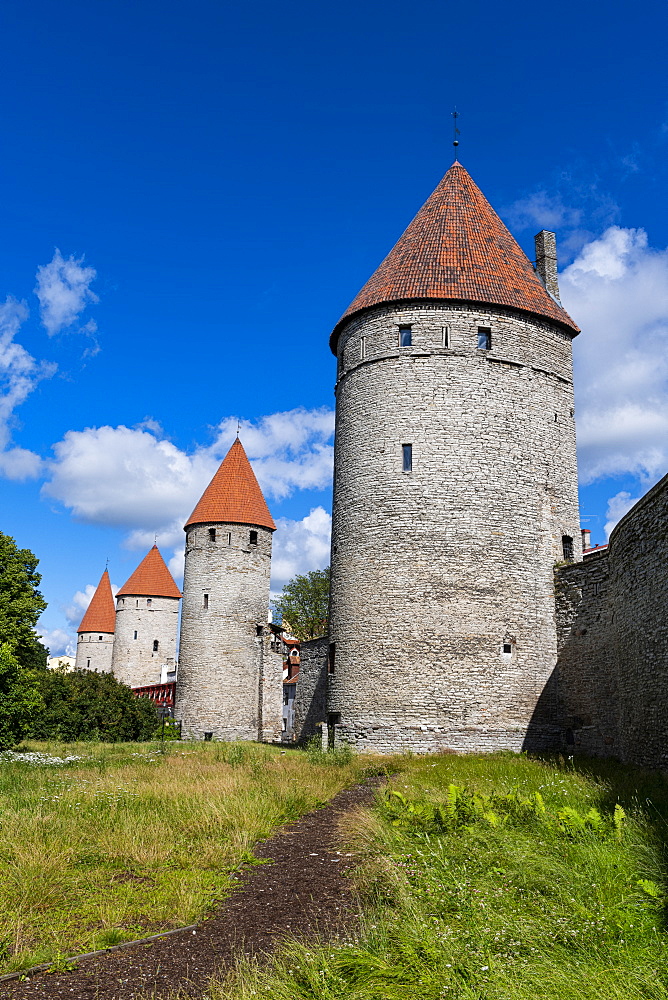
85,705
304,604
19,698
21,603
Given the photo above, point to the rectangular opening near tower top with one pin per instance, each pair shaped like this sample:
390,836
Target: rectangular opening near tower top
484,338
405,336
407,456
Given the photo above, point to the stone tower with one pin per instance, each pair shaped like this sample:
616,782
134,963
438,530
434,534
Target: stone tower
147,612
229,684
455,486
96,632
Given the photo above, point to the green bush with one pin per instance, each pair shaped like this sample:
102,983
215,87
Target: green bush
19,698
84,705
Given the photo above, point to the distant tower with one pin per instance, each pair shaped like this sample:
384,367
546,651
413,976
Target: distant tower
147,611
223,686
96,632
455,486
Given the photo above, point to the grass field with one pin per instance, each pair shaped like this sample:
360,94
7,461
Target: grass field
125,840
527,880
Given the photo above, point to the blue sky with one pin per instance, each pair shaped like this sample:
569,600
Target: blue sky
220,179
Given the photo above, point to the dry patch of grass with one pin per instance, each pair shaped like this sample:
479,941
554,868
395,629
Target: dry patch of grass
132,839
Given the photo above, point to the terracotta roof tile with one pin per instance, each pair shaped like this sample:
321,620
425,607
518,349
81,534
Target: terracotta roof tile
233,496
100,615
151,578
458,248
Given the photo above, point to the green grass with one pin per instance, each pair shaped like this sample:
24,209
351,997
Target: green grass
133,839
518,905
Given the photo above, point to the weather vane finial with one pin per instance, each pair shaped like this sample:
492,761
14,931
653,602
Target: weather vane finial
238,426
106,565
455,116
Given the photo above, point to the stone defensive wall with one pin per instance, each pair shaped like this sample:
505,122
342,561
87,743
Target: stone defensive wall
311,695
610,688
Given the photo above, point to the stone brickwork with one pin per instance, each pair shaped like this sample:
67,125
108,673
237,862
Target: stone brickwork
311,694
436,570
140,623
221,688
271,681
94,651
612,676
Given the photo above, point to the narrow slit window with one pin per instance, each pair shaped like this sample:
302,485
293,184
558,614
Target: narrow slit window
87,664
258,630
445,336
149,602
405,336
137,603
229,537
212,534
331,659
206,601
407,457
362,348
484,338
567,547
135,635
155,645
253,537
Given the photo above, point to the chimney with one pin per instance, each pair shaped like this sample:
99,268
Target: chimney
586,538
546,261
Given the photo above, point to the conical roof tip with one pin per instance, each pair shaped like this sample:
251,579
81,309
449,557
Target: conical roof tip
457,248
100,615
233,496
151,578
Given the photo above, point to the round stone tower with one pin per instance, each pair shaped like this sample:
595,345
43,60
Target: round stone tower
225,608
95,643
147,613
455,486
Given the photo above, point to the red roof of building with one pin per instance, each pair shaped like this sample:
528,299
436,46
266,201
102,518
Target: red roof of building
233,496
151,578
100,615
458,248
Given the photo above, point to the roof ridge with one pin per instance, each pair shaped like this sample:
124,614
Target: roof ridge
458,249
233,496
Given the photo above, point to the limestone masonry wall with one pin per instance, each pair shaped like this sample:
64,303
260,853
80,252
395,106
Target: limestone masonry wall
140,623
612,675
94,651
225,601
311,694
436,570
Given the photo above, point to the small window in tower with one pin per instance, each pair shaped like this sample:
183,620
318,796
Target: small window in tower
121,602
484,338
567,546
405,336
212,534
507,647
137,604
362,348
556,417
99,638
87,664
445,336
258,630
149,602
331,659
253,537
135,635
229,537
206,601
407,457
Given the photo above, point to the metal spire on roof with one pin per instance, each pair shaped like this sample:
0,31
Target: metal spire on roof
455,115
238,426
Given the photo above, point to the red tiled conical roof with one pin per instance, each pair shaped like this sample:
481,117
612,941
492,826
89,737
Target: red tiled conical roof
100,615
151,578
233,496
458,248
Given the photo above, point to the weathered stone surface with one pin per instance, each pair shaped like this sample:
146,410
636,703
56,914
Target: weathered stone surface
141,622
434,570
94,651
612,675
229,685
311,694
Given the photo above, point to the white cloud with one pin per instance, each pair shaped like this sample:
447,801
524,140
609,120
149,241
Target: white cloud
58,642
618,505
542,211
63,290
300,546
19,374
617,290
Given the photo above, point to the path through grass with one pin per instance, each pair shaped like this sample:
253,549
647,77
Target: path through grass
125,840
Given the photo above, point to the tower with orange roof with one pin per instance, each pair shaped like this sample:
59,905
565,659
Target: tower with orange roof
455,486
225,686
95,641
147,612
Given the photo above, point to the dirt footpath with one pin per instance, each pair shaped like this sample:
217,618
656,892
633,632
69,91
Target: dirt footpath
305,891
